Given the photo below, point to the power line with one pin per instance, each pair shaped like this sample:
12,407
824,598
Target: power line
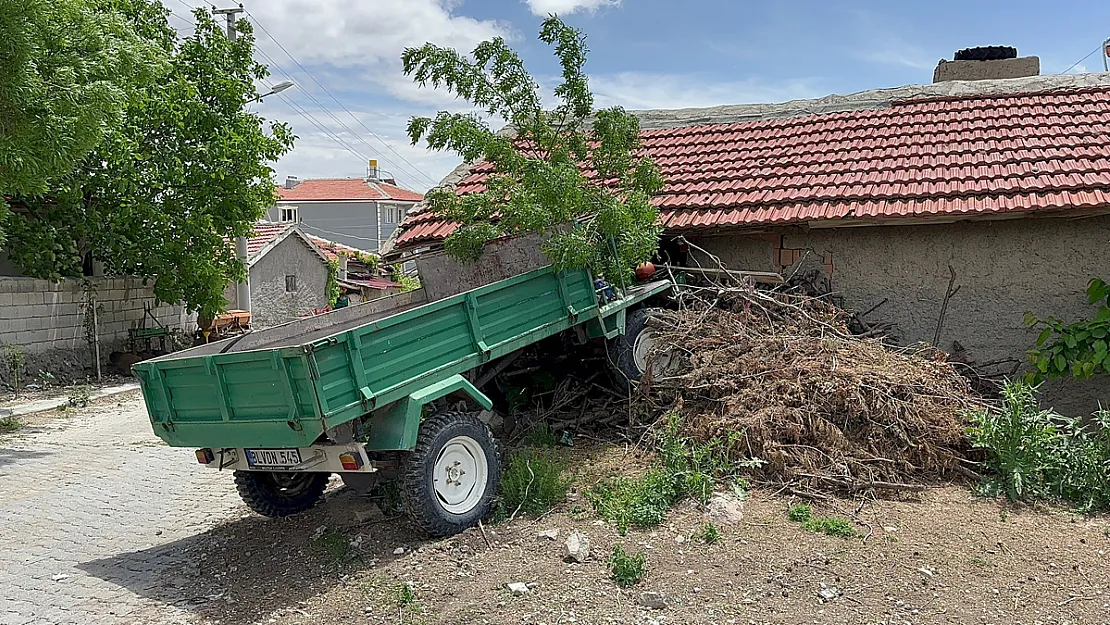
324,129
415,169
338,234
1072,66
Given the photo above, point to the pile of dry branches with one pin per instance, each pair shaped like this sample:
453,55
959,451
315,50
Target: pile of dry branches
823,409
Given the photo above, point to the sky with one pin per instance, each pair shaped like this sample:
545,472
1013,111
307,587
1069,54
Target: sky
351,101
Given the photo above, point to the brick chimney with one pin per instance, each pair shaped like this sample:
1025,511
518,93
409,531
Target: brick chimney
291,182
987,63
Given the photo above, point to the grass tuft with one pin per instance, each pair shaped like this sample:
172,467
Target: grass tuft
833,526
10,425
626,570
710,534
532,482
336,547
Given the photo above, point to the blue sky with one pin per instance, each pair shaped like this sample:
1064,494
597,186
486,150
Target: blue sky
644,54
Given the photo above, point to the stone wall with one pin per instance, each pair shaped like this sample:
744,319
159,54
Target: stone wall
1003,268
1023,67
271,303
46,320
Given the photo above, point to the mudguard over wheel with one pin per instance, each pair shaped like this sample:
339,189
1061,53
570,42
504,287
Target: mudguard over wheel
277,494
629,353
450,478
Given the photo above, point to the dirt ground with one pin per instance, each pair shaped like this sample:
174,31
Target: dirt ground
944,556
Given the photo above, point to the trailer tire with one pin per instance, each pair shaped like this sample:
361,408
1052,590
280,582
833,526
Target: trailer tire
451,446
278,494
628,352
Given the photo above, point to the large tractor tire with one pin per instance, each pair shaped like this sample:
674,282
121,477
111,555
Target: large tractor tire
279,493
449,480
630,354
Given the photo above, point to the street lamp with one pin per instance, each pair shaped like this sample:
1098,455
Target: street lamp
278,88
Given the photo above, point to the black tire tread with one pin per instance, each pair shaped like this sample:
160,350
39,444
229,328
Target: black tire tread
621,348
258,496
986,53
418,500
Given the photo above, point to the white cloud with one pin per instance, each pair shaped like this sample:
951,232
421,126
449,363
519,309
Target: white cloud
637,90
367,36
543,8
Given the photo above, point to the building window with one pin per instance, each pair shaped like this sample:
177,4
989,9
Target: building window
290,284
387,215
287,214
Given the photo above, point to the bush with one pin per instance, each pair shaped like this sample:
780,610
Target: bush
640,502
626,570
532,482
710,534
10,425
1036,454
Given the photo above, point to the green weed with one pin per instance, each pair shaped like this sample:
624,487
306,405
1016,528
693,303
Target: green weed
640,502
405,595
79,396
532,482
800,513
626,570
686,469
709,534
832,526
16,360
540,436
335,546
10,425
1037,454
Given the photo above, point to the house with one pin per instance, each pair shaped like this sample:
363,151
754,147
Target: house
888,194
288,275
357,212
359,272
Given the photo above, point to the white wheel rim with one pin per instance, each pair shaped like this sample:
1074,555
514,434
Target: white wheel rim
641,352
459,475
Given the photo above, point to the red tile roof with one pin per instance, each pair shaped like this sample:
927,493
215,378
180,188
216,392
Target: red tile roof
967,155
265,233
338,189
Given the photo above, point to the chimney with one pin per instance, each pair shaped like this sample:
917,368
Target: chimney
986,63
342,267
291,182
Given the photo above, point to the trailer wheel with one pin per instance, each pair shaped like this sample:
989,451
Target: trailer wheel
629,353
449,480
277,494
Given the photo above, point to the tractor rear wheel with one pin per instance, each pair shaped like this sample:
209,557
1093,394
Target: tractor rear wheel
449,480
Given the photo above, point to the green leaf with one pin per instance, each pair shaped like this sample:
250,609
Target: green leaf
1103,314
1029,319
1042,364
1097,290
1088,369
1070,341
1060,362
1043,337
1099,346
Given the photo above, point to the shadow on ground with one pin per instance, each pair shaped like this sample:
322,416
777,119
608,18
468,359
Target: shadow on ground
11,456
255,566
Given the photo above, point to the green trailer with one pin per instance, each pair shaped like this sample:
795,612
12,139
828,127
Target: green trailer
373,390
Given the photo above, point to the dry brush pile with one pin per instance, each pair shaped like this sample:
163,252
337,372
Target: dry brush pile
823,409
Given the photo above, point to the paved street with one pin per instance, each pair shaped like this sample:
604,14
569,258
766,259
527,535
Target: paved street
93,512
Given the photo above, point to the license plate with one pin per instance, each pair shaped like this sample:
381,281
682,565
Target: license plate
279,458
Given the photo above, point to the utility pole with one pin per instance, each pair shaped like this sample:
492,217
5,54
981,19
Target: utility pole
242,289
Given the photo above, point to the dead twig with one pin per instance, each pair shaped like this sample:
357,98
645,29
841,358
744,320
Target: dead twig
948,294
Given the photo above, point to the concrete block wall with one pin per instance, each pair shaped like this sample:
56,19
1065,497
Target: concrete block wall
40,316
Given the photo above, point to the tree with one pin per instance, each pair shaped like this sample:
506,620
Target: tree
1078,349
549,172
166,190
67,69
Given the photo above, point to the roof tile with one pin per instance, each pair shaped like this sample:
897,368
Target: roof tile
324,189
950,155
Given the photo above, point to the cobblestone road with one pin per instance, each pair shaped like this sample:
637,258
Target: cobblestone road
90,508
